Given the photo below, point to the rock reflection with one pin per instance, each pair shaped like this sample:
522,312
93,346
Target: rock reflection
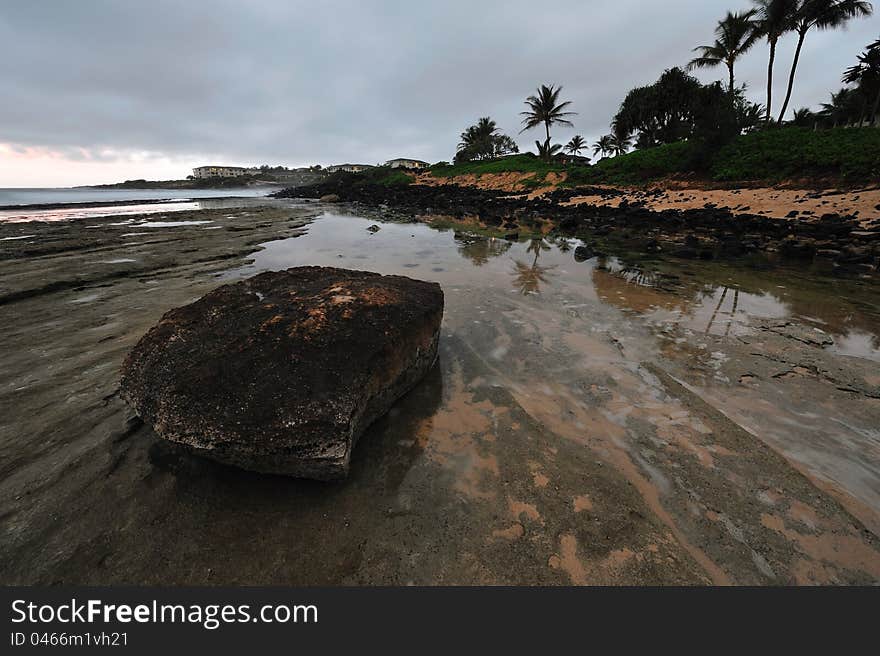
479,249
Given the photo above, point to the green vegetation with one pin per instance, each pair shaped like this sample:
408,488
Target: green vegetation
390,177
852,154
484,141
523,163
636,167
849,154
383,176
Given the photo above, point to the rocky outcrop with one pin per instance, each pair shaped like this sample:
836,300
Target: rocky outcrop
281,373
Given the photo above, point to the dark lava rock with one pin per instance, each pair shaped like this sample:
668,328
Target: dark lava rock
583,253
281,373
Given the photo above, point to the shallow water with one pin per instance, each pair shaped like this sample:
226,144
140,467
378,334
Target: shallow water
716,298
704,320
53,196
85,211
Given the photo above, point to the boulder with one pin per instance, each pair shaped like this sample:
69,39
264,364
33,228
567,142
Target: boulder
329,198
583,253
281,373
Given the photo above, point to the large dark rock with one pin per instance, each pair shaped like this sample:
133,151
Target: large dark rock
281,373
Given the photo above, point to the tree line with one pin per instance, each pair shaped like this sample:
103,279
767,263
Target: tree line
677,106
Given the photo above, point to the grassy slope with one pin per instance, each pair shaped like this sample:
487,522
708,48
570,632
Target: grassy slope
846,154
384,176
524,163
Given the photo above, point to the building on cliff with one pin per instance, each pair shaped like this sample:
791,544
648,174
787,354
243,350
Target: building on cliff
222,171
350,168
405,163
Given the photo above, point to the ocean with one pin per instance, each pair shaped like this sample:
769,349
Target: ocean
60,204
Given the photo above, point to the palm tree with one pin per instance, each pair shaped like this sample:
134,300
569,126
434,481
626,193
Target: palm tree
546,150
618,144
867,75
823,15
545,108
483,141
477,138
774,18
841,109
803,117
602,146
576,145
734,35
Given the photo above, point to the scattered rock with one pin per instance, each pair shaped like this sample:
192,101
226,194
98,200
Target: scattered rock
583,253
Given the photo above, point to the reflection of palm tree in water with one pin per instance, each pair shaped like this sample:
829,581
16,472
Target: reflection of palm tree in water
562,244
640,276
730,314
530,278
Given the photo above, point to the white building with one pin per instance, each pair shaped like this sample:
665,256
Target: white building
351,168
404,163
220,171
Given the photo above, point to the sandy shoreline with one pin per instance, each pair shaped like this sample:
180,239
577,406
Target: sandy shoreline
772,202
767,201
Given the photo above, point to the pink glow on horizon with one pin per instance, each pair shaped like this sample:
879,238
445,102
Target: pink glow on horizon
33,166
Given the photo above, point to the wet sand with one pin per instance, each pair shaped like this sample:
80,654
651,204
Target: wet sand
598,422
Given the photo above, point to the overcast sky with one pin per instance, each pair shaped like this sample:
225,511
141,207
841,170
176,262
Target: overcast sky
101,91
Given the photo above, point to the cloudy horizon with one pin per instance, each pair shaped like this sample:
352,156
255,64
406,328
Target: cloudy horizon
101,91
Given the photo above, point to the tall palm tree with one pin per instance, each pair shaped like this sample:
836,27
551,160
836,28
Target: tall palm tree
545,108
576,145
734,35
867,75
823,15
602,146
774,18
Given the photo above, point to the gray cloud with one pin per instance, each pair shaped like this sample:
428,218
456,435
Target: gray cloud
289,82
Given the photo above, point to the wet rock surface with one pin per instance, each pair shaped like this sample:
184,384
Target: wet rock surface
616,420
282,373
